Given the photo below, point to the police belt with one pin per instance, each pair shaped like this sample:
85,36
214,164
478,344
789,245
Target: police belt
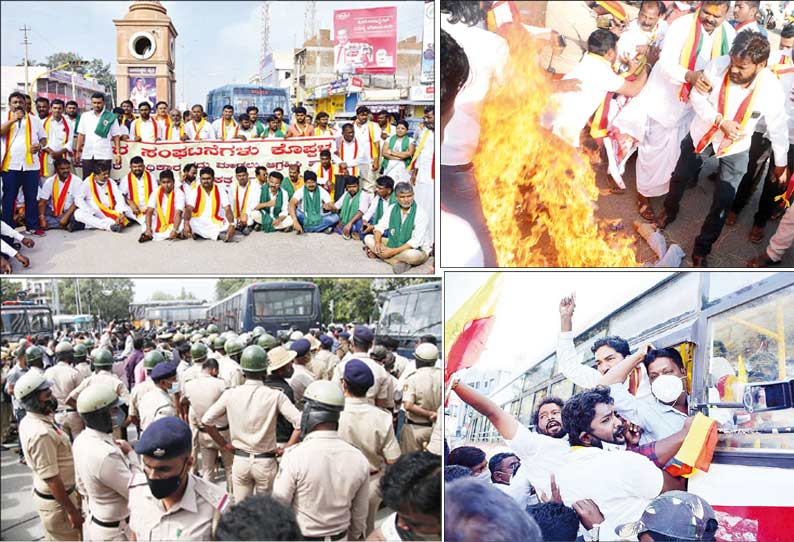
109,524
339,536
411,422
66,410
50,497
256,456
224,428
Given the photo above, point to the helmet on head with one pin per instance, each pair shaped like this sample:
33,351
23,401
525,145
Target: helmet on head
295,335
152,358
34,353
254,359
267,341
102,358
257,331
98,406
426,353
212,328
80,351
219,342
178,338
26,390
196,337
198,352
233,347
64,347
89,343
323,402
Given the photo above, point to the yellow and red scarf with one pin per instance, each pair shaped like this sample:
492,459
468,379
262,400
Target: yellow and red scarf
59,196
691,50
136,127
109,212
330,180
201,200
198,128
320,132
165,219
784,66
170,130
354,169
305,132
132,188
238,208
45,168
743,114
223,129
28,142
167,123
419,148
373,145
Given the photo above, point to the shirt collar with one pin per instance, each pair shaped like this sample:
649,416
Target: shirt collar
188,500
327,435
252,382
356,401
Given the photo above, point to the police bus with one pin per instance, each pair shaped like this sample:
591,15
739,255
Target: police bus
241,97
735,331
273,305
73,322
22,319
155,313
410,312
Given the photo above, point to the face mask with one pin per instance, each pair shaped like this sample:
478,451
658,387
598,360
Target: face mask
611,446
484,476
164,487
117,417
667,388
173,389
51,405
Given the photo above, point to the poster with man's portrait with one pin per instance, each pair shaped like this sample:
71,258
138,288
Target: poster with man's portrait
143,89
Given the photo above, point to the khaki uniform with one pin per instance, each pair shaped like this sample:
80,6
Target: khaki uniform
189,519
370,429
321,362
436,444
137,392
103,475
252,411
202,392
423,388
300,380
194,371
48,453
400,363
381,390
155,404
326,482
229,370
105,377
64,379
84,369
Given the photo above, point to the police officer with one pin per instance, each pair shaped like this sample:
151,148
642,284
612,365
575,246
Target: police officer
323,359
48,453
81,361
65,378
159,402
103,467
34,355
421,399
368,428
229,365
267,341
167,501
199,394
103,361
150,361
279,369
301,377
325,479
381,393
252,411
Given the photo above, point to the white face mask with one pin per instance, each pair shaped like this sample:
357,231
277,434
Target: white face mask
667,388
611,447
484,476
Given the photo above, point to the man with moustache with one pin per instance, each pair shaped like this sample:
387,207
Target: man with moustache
207,210
101,204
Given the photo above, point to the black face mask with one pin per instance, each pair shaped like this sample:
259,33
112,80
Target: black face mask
163,487
51,405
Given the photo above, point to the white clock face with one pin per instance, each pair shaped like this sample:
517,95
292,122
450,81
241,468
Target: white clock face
142,45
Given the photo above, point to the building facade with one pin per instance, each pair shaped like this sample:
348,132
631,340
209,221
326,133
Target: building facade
58,84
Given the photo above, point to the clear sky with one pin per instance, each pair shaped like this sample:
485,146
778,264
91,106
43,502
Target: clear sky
527,317
218,42
201,288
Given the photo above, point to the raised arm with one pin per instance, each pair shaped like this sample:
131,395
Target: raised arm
505,423
569,360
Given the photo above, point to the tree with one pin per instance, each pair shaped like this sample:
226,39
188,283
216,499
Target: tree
161,296
9,289
94,68
186,295
106,298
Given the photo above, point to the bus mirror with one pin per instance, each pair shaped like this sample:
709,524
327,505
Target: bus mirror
769,396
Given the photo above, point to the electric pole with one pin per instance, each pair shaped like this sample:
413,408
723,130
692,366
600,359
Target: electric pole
25,29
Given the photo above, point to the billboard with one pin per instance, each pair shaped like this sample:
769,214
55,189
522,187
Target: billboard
365,40
142,89
428,46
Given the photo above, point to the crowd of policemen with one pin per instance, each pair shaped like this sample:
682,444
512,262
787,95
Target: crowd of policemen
310,426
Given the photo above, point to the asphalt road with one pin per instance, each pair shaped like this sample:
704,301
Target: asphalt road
99,252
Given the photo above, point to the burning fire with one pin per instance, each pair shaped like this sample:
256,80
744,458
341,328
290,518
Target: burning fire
538,193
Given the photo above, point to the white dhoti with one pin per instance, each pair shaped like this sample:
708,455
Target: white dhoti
283,225
207,228
397,171
140,219
657,156
367,177
93,220
160,236
424,194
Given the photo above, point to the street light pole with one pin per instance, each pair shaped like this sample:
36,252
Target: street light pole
26,42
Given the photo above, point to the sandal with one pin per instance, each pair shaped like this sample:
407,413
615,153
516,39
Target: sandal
143,238
762,261
646,212
730,220
756,234
371,255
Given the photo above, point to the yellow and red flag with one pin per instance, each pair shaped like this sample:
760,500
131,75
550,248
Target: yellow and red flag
467,331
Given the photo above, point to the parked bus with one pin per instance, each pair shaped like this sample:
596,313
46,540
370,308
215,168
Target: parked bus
272,305
73,322
243,96
161,312
729,328
410,312
22,319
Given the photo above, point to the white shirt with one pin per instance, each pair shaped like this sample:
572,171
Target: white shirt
140,188
249,134
656,419
373,206
149,130
352,158
634,36
224,200
231,128
85,198
572,366
237,193
769,102
8,231
179,202
95,147
56,134
284,203
363,201
362,136
18,149
325,197
420,239
206,131
176,133
661,91
459,244
75,185
424,162
488,55
574,108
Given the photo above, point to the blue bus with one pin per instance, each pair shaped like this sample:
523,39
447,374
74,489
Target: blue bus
272,305
241,97
408,313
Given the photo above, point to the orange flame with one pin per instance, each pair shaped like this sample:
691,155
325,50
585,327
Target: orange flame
538,193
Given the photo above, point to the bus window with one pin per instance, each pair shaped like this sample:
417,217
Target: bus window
525,413
722,284
562,389
40,321
752,343
14,322
539,372
422,315
283,302
394,320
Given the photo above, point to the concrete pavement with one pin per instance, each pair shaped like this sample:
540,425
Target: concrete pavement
62,253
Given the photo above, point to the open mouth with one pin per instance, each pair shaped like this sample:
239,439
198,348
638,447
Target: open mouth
552,425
